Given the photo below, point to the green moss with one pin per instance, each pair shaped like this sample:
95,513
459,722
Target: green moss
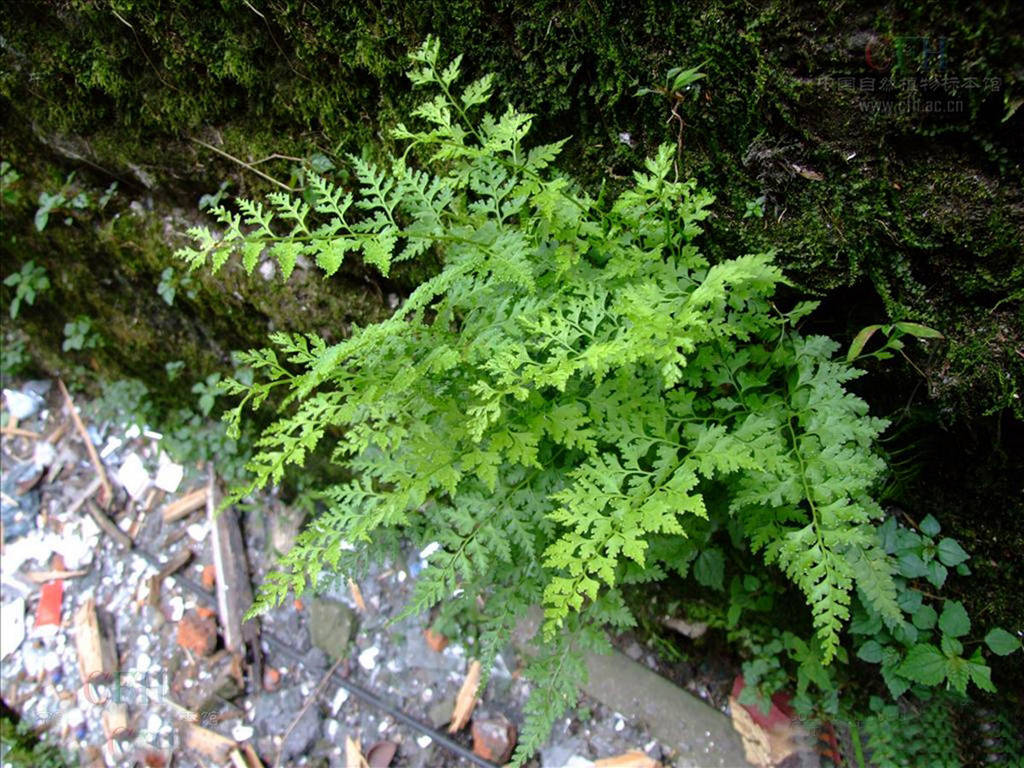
921,209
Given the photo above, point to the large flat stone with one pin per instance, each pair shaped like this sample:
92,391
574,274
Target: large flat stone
702,736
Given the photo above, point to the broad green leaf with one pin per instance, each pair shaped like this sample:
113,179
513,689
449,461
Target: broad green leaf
709,568
954,620
1001,642
951,553
871,652
920,331
859,341
930,526
924,664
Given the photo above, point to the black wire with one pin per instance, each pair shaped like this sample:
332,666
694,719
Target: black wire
357,690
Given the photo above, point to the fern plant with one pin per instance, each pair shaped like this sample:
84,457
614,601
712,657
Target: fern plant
562,402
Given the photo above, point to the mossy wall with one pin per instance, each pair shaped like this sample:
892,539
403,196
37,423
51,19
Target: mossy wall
914,214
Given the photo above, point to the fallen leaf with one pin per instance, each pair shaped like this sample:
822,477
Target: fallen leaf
632,759
381,754
357,596
354,754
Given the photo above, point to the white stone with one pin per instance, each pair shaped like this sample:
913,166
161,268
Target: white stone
368,658
340,697
168,474
177,606
424,741
428,550
133,476
198,531
242,732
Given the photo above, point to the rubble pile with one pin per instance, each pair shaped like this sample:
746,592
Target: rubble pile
123,641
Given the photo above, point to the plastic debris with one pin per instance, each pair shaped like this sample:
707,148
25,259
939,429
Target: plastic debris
51,599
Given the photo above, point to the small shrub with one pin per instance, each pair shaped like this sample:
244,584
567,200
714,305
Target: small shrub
576,401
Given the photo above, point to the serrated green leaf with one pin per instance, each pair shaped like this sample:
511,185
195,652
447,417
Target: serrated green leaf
1001,642
870,652
954,620
924,664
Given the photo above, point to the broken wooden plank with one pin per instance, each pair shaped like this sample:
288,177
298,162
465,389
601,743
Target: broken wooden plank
234,592
185,505
115,721
466,700
207,743
97,656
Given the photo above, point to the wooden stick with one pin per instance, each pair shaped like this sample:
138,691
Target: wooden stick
41,577
84,496
309,701
108,492
108,526
176,563
242,163
16,432
186,505
58,433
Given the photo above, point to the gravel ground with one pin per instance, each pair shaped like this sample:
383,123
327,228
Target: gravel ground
294,715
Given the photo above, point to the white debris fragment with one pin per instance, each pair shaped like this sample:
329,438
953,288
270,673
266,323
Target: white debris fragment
22,405
132,432
577,761
340,697
113,443
402,576
242,732
177,606
198,531
154,724
424,741
368,658
428,550
44,454
331,729
143,662
12,626
168,474
619,724
133,476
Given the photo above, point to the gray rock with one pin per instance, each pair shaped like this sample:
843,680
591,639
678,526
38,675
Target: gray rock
557,754
331,623
440,712
272,714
